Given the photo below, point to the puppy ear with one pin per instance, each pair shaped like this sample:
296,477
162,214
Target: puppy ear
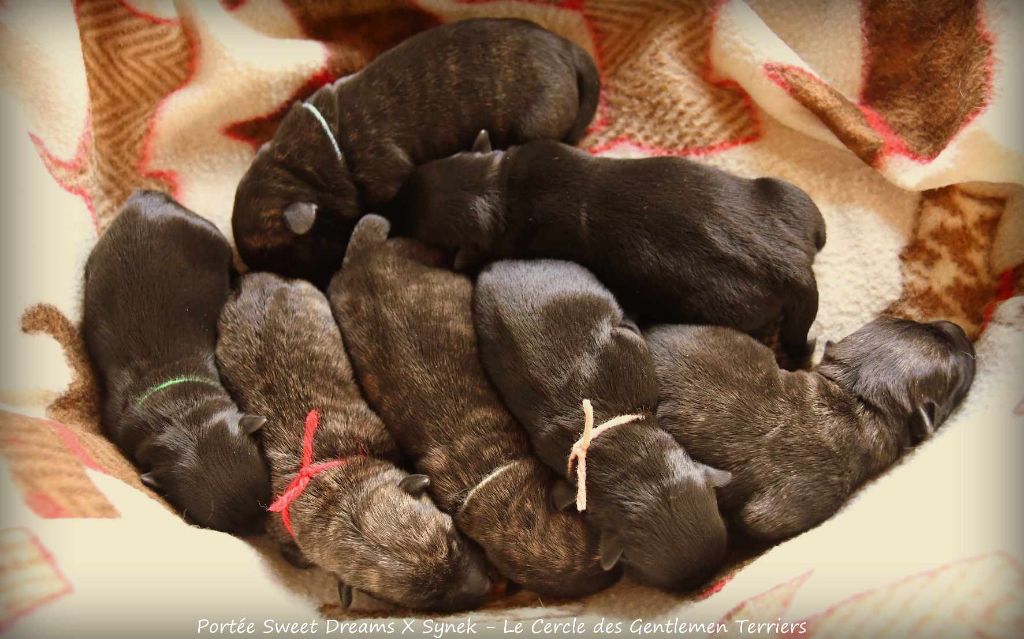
345,595
149,481
609,550
251,424
299,217
414,484
829,345
717,478
922,422
563,496
482,143
370,231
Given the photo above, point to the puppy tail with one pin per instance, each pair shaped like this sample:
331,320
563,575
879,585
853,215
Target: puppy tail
588,81
371,230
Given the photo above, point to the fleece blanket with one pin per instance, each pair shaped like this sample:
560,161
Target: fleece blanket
901,120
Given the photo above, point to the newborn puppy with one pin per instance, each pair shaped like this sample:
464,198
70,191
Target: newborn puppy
552,336
408,326
154,285
362,519
676,241
352,144
798,444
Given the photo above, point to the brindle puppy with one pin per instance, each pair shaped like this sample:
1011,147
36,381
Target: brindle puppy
408,326
798,444
350,147
154,285
551,336
675,240
364,521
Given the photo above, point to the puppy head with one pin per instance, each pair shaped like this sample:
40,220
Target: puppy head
296,204
384,536
657,511
219,480
528,538
913,372
451,202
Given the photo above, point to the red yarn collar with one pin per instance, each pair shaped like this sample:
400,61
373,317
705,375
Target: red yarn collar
307,470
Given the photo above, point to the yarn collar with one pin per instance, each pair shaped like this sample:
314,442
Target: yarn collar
174,381
489,477
582,445
326,127
307,470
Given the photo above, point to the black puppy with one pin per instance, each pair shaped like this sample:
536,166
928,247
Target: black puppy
154,286
675,240
798,444
552,336
408,325
360,517
352,144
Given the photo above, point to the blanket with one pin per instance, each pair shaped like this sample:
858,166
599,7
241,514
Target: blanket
900,119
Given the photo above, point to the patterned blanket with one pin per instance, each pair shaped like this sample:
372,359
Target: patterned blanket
902,121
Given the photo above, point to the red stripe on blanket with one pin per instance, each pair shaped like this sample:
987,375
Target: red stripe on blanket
148,17
1007,288
256,131
74,446
169,176
27,561
66,172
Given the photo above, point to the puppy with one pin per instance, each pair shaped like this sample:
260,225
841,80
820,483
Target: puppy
408,325
363,520
552,336
675,240
154,285
798,444
352,144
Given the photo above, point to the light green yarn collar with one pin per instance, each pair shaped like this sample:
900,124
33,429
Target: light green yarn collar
174,381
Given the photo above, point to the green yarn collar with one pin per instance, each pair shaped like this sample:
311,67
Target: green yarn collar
174,381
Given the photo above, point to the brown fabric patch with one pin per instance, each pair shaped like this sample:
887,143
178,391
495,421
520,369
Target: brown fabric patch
49,469
357,32
927,68
29,576
842,117
354,33
653,57
946,273
132,63
80,404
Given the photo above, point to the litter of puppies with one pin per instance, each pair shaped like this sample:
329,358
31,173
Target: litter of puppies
555,370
